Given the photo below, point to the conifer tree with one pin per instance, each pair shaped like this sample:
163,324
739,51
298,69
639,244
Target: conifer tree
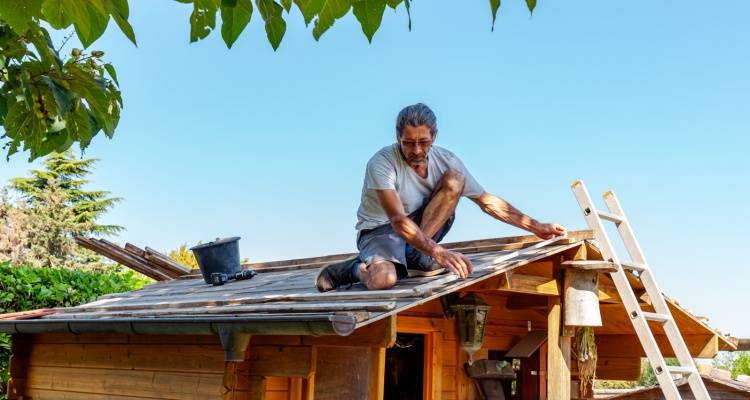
68,174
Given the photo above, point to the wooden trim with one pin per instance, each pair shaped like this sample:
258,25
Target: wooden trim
377,373
432,384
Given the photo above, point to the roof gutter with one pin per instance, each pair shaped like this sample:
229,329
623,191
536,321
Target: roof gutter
234,332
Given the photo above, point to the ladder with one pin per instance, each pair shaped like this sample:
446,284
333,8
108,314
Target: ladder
638,317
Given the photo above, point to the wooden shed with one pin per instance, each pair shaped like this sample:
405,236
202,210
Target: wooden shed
720,387
275,337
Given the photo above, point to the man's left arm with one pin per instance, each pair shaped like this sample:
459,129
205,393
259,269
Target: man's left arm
504,211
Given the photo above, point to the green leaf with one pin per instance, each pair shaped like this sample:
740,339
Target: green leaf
203,19
120,12
234,19
370,14
332,10
18,13
531,4
43,44
309,8
270,11
55,13
3,109
125,28
82,127
94,25
393,3
494,5
63,97
287,4
111,71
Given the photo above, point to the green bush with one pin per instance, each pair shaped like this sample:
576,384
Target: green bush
27,288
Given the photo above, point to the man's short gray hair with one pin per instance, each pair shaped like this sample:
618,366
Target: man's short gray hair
416,115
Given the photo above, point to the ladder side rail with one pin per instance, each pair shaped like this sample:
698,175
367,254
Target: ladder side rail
657,299
640,325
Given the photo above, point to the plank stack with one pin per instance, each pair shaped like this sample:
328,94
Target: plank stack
147,261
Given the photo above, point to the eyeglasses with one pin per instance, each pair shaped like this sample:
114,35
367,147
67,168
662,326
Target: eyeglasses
415,143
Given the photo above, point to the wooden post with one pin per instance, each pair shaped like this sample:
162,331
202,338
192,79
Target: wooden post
377,373
558,354
20,350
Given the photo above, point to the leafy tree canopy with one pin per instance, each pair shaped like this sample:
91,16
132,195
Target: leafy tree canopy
48,103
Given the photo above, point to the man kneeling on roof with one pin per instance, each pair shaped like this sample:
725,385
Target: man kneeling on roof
409,197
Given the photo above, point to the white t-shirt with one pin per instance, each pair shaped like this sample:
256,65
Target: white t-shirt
388,169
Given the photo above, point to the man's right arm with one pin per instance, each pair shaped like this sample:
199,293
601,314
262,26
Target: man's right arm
412,234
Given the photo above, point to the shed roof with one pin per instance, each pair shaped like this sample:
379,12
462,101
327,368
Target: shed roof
284,291
283,297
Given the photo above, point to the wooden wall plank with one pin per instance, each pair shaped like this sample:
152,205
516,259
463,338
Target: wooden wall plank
618,368
154,357
158,384
44,394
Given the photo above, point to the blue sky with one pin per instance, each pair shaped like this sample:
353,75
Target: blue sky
648,98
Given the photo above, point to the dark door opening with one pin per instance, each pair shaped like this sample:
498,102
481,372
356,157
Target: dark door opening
404,368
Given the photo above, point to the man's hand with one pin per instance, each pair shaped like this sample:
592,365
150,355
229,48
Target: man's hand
548,231
458,263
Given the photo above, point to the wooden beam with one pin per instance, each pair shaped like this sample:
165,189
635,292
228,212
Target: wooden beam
526,302
289,361
743,345
511,282
590,265
558,354
377,334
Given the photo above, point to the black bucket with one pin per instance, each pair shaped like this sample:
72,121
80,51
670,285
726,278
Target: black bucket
219,256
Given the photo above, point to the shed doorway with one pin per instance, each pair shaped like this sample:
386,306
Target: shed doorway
404,368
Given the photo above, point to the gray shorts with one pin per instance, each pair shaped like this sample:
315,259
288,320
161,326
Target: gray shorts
383,244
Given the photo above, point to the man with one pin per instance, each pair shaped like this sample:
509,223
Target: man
409,196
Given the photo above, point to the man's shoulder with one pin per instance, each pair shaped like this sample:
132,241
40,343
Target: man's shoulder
386,154
443,152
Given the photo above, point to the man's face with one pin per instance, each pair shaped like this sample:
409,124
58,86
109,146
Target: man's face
415,142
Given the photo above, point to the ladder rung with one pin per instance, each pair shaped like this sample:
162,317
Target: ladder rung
611,217
634,266
656,317
676,369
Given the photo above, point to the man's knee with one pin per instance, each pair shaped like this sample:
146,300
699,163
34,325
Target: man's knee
453,181
381,275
